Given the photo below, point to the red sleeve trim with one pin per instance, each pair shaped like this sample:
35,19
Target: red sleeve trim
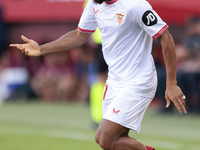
160,32
88,31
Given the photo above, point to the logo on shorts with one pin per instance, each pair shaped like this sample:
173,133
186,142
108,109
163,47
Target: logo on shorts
149,18
120,18
116,111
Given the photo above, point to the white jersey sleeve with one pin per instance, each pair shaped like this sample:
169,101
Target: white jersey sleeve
87,22
142,13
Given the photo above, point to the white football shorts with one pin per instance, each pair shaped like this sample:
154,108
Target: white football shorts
124,107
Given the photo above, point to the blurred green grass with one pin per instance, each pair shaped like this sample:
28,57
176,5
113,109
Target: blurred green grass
67,126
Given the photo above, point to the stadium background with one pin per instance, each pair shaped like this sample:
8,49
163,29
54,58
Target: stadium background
45,100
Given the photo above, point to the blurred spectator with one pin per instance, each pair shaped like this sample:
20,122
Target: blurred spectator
2,33
14,75
56,79
5,80
190,68
192,42
4,63
86,56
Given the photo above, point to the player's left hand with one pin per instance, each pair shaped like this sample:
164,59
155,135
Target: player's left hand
173,93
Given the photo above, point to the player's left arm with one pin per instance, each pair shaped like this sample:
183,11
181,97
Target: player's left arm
173,92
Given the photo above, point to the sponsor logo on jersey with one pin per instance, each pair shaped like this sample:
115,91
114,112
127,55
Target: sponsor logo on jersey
149,19
95,11
120,18
116,111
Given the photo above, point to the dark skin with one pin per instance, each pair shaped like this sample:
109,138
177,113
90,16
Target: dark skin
173,92
112,136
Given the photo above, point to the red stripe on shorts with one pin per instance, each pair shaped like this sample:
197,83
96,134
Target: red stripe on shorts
104,94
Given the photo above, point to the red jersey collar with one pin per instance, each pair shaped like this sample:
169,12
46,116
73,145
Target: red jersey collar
111,2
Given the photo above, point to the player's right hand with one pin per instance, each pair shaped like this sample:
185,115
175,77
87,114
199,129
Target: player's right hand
30,48
174,93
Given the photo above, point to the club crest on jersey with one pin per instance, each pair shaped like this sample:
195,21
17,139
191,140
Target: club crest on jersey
120,18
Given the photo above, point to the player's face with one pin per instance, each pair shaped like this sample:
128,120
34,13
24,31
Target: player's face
99,1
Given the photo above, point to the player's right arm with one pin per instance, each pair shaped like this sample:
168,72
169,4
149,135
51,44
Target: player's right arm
67,42
173,92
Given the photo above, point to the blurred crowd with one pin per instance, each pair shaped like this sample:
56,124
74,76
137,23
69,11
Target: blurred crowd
67,76
55,77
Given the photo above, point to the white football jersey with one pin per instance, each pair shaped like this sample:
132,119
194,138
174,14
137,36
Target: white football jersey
128,28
